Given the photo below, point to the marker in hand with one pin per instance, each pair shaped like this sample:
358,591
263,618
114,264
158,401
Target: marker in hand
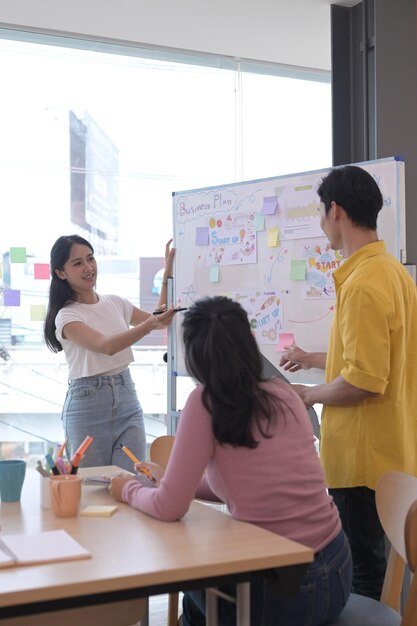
179,308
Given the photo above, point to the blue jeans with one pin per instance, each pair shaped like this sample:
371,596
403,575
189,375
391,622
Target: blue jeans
325,588
366,536
106,408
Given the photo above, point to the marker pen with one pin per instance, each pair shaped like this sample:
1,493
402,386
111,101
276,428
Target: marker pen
51,464
79,453
179,308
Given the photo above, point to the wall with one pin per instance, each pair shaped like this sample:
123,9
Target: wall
374,90
294,32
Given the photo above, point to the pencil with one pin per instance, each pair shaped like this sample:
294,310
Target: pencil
142,470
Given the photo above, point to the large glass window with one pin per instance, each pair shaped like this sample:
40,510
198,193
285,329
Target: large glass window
94,140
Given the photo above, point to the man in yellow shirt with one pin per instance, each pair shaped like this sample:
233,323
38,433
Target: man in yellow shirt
369,419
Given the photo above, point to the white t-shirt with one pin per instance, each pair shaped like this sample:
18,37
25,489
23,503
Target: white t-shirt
110,315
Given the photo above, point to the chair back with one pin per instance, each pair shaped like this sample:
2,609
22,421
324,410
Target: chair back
396,502
161,449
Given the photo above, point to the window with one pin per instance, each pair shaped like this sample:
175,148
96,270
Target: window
94,140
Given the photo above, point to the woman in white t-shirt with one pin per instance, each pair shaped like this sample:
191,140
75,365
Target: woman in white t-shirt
96,333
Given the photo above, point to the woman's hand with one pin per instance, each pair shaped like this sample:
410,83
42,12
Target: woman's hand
151,471
163,318
169,260
116,485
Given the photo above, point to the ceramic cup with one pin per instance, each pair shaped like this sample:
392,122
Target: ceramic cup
12,475
65,494
45,493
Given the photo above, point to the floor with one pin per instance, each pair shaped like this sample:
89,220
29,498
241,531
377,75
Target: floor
158,609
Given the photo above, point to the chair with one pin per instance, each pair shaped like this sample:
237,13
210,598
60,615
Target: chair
159,453
396,501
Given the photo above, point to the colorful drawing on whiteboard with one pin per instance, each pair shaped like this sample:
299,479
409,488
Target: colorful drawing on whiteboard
298,215
321,263
264,309
232,239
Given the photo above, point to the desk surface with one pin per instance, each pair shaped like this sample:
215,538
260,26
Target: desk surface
133,551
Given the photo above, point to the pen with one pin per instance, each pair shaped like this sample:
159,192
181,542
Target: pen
79,453
51,464
179,308
39,468
142,470
61,450
61,465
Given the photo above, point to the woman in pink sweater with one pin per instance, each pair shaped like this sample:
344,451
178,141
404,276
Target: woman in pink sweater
249,443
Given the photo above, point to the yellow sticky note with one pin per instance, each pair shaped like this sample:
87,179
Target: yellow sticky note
97,510
273,237
37,312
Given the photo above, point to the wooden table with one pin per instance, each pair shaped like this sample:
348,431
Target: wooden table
134,555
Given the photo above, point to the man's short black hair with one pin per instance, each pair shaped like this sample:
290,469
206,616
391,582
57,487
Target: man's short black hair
356,191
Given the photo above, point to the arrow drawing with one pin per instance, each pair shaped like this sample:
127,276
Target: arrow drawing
312,321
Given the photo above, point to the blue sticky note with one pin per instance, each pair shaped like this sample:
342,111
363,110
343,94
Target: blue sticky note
269,205
259,222
202,236
214,273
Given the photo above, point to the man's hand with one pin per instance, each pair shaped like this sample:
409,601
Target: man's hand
304,392
294,359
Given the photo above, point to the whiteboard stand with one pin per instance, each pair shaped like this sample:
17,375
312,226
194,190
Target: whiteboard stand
173,415
411,269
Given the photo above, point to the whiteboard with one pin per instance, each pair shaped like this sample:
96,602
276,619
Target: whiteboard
260,243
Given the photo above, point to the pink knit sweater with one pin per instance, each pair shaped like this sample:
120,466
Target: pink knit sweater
279,485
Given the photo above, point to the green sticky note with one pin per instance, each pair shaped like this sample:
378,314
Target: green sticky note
214,273
17,255
259,222
298,270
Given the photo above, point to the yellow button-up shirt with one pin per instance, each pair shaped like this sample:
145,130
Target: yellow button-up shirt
373,346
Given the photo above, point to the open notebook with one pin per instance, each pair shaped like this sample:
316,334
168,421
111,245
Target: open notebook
46,547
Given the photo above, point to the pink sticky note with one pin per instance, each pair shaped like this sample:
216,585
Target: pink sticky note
41,271
285,339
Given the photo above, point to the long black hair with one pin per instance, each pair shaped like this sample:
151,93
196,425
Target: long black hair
222,354
60,292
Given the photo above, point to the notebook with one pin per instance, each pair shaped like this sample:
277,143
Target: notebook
45,547
97,480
